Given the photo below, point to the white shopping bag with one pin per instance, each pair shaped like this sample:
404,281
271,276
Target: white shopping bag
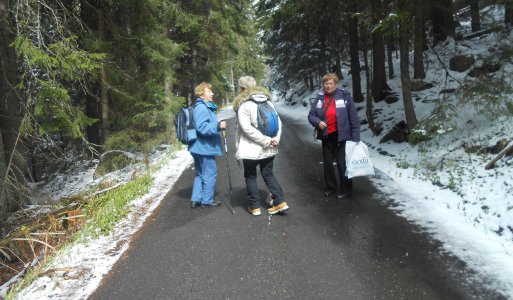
358,160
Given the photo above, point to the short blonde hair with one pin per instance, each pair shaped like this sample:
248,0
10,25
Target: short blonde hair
199,90
247,82
330,76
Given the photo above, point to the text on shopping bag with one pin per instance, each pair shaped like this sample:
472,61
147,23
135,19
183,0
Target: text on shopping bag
358,160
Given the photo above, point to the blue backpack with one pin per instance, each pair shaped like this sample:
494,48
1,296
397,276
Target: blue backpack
267,119
184,126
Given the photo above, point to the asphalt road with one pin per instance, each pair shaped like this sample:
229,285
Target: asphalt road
322,248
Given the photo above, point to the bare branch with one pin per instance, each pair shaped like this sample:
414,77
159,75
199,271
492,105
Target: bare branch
33,240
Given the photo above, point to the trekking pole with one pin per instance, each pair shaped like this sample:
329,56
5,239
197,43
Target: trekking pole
229,175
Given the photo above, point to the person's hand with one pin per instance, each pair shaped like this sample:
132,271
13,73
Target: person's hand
273,142
222,125
322,125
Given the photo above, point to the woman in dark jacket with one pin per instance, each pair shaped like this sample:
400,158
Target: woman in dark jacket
206,147
334,114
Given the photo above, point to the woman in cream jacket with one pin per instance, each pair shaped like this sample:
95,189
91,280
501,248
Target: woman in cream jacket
254,148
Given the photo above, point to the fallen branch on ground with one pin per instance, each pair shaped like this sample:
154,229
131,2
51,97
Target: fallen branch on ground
507,149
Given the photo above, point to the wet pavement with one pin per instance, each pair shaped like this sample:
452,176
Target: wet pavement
322,248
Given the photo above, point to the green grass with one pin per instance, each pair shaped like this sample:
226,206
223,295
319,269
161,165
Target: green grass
101,215
107,209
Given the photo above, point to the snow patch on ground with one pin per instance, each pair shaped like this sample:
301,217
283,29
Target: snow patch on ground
76,272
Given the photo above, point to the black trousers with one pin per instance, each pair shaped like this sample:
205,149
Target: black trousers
250,175
332,151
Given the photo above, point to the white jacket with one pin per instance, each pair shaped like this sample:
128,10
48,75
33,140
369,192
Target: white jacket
250,142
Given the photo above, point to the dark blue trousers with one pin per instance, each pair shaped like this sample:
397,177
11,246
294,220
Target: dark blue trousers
250,175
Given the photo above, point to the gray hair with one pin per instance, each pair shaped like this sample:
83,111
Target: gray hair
247,82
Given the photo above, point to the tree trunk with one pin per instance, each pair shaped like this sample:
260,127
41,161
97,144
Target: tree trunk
390,42
409,110
3,172
390,59
353,51
93,108
474,13
419,40
193,82
508,12
368,79
13,166
105,105
103,86
379,84
443,21
338,67
322,62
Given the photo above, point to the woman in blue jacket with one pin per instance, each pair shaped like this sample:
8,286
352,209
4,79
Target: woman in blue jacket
206,147
334,114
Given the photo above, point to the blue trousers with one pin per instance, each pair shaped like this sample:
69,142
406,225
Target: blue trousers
250,175
205,180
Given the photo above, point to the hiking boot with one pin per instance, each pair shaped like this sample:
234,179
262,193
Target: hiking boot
278,208
213,204
343,196
254,211
329,192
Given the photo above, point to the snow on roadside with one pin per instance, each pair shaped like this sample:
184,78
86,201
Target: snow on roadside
459,222
76,272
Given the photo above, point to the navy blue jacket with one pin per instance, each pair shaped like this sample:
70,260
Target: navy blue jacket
208,141
348,123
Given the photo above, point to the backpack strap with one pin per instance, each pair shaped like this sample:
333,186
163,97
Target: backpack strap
329,102
324,108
